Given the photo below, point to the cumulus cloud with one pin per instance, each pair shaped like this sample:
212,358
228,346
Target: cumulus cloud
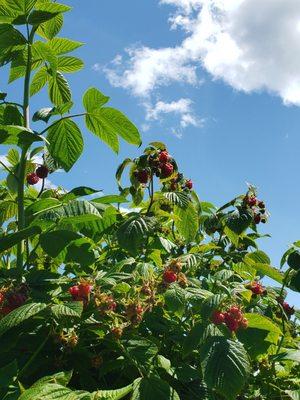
252,45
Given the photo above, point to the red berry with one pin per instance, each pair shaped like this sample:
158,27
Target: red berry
84,289
2,298
166,169
142,176
164,156
218,317
74,291
251,201
42,171
231,323
173,186
257,219
32,179
117,332
189,184
6,310
16,299
256,288
170,276
288,309
112,305
235,313
244,323
139,309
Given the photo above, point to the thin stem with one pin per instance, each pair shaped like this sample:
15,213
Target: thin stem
66,117
42,188
11,103
8,169
22,165
151,193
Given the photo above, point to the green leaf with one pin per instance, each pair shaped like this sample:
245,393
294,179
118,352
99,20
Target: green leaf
17,316
39,80
50,29
238,221
68,310
8,241
293,260
115,394
8,209
8,373
53,243
257,257
109,199
293,394
94,124
179,199
80,251
18,135
12,116
65,142
43,114
52,7
154,388
225,366
50,391
44,52
269,271
69,64
175,299
11,38
61,378
37,17
187,223
94,99
133,232
59,89
63,45
142,351
197,335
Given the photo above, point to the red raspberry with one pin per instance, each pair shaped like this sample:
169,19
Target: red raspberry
170,276
251,201
257,219
84,289
2,298
42,171
288,309
164,156
6,310
117,332
256,288
189,184
139,309
244,323
74,291
231,323
173,186
166,169
32,179
235,313
142,176
16,300
218,317
111,304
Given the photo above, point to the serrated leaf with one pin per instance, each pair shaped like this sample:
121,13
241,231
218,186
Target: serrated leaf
187,223
225,365
8,241
39,80
18,135
59,89
43,114
63,45
50,29
17,316
72,310
94,99
69,64
179,199
154,388
65,142
53,243
238,221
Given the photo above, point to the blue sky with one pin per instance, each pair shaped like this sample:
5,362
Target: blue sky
240,126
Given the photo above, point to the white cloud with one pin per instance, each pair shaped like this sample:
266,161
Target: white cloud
252,45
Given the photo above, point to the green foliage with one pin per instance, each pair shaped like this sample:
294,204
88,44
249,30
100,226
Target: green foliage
157,300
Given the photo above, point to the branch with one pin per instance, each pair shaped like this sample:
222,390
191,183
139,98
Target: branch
9,170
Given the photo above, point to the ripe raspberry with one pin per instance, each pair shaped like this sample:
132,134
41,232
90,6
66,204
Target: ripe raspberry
42,171
32,179
111,305
251,201
173,186
288,309
74,291
256,288
235,312
189,184
16,300
139,309
84,289
218,317
2,298
142,176
169,276
244,323
257,219
166,170
231,323
164,156
6,310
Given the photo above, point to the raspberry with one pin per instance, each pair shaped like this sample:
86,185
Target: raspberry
235,313
244,323
231,323
189,184
164,156
42,171
139,309
218,317
2,298
6,310
84,289
166,170
251,201
117,332
173,186
256,288
288,309
170,276
112,305
142,176
257,219
32,179
16,300
74,291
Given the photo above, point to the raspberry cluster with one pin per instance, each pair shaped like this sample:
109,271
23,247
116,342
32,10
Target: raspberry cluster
12,299
233,318
172,273
257,288
81,292
257,207
288,310
40,173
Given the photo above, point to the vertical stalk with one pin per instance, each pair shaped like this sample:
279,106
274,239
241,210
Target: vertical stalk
22,165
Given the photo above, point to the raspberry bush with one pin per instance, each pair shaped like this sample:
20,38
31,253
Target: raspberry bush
161,300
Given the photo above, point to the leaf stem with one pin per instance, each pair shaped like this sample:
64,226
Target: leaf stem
61,119
8,169
11,103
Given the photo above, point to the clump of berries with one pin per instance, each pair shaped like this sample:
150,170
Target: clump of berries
81,292
12,299
172,273
257,288
257,207
134,313
105,303
285,307
40,173
233,318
